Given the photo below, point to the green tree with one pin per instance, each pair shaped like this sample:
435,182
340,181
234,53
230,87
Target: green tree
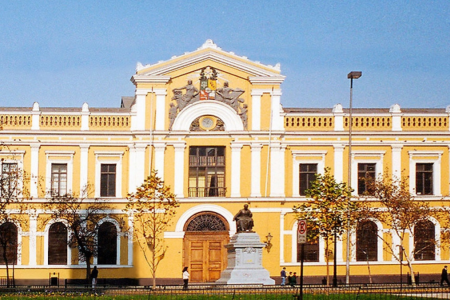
402,211
153,207
328,211
82,215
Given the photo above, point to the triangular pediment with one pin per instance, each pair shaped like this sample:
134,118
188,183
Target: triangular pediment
209,52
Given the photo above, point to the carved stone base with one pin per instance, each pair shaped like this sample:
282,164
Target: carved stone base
245,261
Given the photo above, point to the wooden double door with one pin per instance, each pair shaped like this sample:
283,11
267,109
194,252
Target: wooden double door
205,255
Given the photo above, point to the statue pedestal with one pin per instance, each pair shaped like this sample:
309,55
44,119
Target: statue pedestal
245,261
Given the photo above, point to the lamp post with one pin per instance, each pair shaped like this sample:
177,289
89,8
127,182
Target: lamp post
352,75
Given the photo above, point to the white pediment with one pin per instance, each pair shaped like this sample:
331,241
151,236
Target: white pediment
214,53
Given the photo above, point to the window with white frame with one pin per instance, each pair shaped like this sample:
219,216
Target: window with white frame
108,174
9,180
306,164
59,168
365,163
425,172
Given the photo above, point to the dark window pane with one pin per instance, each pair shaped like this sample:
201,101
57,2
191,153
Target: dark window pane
8,243
424,241
207,172
307,174
107,244
366,173
108,180
311,248
424,179
366,241
57,244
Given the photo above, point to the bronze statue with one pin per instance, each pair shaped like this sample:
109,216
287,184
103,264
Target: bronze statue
244,220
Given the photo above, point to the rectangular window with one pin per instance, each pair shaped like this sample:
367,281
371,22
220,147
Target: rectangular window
108,180
424,179
10,179
366,172
307,174
207,172
59,179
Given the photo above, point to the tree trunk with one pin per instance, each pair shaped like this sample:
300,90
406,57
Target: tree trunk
327,260
8,281
88,268
411,272
154,269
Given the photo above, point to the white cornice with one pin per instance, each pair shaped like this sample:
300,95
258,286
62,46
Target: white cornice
217,55
266,80
149,79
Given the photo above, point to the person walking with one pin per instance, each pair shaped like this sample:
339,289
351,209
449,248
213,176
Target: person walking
283,276
444,276
185,278
293,280
94,276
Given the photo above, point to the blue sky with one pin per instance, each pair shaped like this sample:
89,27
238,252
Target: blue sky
65,53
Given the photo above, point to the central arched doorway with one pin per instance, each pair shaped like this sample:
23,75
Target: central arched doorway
206,235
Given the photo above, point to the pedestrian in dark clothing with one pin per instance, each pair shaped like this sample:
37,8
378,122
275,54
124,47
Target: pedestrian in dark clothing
444,276
283,276
94,276
293,280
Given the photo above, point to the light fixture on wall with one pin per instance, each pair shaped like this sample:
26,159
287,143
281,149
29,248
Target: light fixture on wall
267,242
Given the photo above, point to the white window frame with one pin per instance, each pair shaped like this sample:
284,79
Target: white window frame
365,157
434,157
58,157
437,239
106,157
10,159
305,157
20,234
380,242
46,239
294,247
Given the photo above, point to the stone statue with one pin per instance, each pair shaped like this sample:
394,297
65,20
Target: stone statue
189,97
243,115
173,111
244,220
230,96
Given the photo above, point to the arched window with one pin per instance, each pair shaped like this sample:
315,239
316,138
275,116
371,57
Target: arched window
107,244
424,242
366,241
311,247
8,243
57,244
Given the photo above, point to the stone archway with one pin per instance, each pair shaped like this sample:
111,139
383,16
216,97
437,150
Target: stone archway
204,252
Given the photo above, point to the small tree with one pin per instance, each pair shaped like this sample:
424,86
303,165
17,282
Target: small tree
328,212
153,207
82,216
402,211
13,203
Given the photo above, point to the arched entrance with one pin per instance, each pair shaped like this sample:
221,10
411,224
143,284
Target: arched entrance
204,246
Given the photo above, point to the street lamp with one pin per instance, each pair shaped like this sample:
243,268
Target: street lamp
352,75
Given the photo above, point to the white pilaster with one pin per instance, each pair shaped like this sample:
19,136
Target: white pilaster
137,165
33,230
338,162
236,170
160,108
35,115
84,164
141,95
397,160
282,215
277,170
179,170
277,118
34,170
159,158
256,170
85,116
338,113
130,238
396,114
256,109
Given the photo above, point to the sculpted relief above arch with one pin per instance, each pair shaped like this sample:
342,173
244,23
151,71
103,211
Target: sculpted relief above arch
189,94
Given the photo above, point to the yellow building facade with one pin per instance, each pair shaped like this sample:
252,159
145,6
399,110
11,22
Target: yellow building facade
212,124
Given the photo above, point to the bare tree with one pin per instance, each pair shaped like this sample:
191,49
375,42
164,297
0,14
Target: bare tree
407,216
82,216
13,203
153,207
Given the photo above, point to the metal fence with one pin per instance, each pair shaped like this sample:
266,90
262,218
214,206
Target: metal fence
310,292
